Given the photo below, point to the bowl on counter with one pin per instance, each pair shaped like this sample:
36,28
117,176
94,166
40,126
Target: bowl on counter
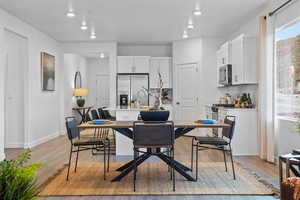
155,115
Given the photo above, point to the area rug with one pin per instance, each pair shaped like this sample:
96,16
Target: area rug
153,178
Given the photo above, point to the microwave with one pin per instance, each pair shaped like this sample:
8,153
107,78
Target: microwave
225,75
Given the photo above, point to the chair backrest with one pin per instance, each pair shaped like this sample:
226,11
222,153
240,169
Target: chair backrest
101,113
72,129
228,132
88,117
107,115
153,134
94,114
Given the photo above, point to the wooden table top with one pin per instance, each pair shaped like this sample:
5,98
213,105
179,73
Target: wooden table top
129,124
81,108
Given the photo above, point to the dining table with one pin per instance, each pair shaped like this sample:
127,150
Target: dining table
125,128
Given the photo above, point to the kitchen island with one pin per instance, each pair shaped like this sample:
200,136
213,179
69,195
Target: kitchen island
124,146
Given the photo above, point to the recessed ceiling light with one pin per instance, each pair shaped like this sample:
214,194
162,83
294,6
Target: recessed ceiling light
93,36
190,24
197,12
102,55
185,35
83,25
71,14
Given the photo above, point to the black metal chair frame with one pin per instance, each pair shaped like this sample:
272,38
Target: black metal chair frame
154,151
101,144
201,147
292,162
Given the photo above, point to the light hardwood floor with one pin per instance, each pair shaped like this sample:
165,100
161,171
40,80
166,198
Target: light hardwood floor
55,154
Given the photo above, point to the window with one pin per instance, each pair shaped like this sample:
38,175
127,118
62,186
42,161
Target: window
287,60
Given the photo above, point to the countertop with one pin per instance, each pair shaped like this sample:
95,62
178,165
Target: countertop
118,108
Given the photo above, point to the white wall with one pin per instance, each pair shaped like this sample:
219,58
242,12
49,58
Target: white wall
2,87
95,66
72,64
43,116
201,51
155,50
109,48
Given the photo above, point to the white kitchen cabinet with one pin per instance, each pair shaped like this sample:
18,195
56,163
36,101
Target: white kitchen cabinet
162,65
244,140
133,64
141,64
243,60
225,54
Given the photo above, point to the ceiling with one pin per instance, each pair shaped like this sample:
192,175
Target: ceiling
154,21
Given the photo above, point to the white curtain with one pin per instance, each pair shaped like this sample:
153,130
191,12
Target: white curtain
266,84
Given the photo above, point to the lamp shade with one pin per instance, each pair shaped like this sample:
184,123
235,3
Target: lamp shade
80,92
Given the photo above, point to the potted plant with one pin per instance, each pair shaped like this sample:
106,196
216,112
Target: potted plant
17,180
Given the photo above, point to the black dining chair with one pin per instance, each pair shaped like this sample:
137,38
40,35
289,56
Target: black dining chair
153,135
104,114
101,113
85,143
215,143
94,114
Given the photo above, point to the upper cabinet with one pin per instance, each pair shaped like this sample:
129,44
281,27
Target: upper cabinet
133,64
241,54
244,60
224,54
160,65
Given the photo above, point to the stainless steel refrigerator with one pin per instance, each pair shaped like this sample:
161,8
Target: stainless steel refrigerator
135,86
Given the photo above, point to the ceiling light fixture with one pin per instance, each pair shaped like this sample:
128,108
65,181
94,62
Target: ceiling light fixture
83,25
197,11
102,55
71,14
185,35
190,24
93,35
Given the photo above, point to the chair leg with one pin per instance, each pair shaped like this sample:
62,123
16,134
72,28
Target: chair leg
108,154
225,160
135,169
173,170
232,164
197,150
70,158
192,155
77,154
104,163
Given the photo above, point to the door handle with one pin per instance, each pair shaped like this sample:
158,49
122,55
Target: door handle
177,103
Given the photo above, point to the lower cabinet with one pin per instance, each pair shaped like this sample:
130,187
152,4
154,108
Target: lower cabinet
245,140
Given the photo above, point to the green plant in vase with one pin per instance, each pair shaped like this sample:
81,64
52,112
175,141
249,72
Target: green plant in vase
17,180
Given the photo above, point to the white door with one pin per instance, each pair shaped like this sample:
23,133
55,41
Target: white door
14,93
186,103
102,90
141,64
125,64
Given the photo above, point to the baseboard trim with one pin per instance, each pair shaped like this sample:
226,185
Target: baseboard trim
42,140
14,145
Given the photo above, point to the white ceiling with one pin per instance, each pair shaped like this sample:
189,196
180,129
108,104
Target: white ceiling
134,20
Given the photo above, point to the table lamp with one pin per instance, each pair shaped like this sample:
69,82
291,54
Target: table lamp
80,93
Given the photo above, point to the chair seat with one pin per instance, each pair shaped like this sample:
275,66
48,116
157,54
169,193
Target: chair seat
211,140
87,141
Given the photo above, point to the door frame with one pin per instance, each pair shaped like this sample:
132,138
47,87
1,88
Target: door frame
26,96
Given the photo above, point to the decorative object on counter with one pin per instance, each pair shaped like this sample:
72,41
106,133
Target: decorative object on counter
158,96
155,115
132,104
80,93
